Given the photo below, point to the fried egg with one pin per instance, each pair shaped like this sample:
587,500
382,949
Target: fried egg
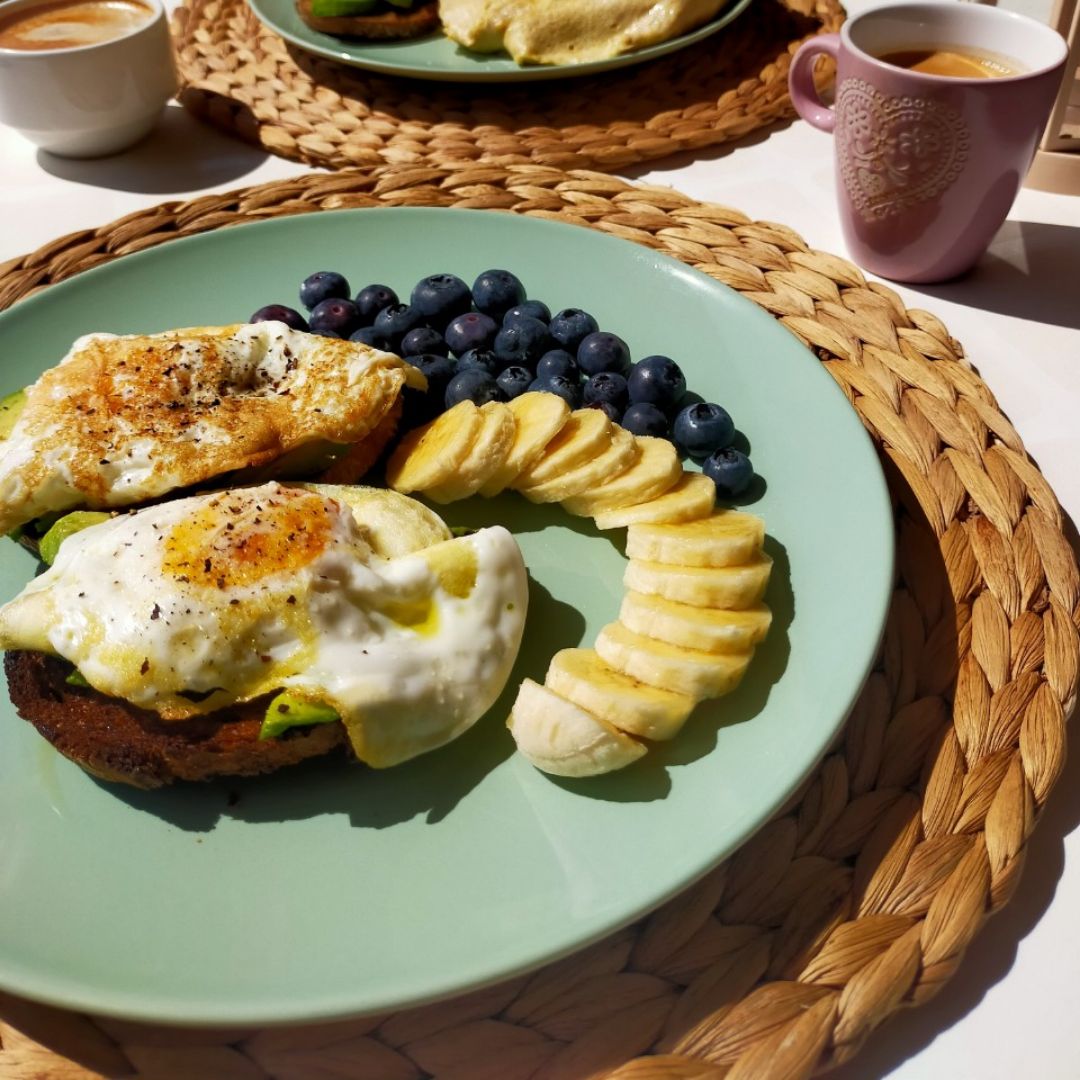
126,419
193,605
570,31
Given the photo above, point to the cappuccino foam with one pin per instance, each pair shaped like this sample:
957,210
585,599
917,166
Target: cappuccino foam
65,24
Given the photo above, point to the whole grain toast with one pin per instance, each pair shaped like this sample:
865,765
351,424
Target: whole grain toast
118,742
381,26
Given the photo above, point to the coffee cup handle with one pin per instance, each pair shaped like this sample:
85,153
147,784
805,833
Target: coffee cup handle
804,95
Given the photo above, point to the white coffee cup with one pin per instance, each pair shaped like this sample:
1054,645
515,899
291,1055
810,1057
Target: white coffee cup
88,100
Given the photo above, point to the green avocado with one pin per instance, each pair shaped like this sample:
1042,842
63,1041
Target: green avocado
332,9
10,408
286,711
67,526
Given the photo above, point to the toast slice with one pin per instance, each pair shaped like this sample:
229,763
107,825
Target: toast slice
118,742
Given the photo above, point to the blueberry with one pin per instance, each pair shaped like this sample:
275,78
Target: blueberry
602,351
422,339
702,428
395,321
535,309
473,384
495,292
483,359
335,316
645,419
438,370
280,313
609,388
557,362
612,412
559,385
514,381
473,330
439,298
371,299
657,380
324,285
523,342
730,470
368,335
571,326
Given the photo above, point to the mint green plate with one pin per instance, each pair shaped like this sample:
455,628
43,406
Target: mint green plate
330,890
437,57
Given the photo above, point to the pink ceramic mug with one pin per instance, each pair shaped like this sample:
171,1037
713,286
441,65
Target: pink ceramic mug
929,165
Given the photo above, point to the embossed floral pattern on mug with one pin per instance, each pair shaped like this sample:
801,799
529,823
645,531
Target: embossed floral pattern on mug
896,152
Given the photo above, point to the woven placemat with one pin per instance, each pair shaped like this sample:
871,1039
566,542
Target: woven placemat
243,78
863,894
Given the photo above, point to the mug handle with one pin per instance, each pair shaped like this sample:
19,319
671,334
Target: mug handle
804,95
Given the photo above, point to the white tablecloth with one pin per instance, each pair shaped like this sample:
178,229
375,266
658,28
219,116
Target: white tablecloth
1013,1010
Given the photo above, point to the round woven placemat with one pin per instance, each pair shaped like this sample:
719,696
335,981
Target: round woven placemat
243,78
863,894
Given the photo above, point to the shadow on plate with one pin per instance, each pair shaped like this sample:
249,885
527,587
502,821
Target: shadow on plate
649,779
515,510
429,786
433,784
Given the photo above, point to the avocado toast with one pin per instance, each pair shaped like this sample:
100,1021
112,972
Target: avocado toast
373,20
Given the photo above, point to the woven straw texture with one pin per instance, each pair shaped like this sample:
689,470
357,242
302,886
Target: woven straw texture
862,895
243,78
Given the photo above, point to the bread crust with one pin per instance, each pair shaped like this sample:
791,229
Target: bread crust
115,741
382,26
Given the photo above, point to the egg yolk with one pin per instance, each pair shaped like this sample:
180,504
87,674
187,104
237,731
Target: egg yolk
230,542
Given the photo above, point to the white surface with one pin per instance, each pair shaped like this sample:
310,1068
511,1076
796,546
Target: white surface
1012,1009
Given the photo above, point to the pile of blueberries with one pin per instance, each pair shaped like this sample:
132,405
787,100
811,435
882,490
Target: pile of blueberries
491,343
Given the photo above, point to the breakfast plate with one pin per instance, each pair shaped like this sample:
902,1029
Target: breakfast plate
437,57
329,890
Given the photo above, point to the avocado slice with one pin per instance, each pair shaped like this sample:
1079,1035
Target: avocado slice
10,408
286,711
333,9
68,525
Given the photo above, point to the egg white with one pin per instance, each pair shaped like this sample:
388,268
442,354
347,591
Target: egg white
123,419
190,606
570,31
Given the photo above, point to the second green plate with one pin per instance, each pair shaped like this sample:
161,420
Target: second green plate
437,57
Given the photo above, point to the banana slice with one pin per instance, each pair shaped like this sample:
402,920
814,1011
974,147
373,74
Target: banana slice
559,738
580,676
694,496
493,441
726,538
710,630
432,454
682,671
586,433
656,471
733,587
617,458
539,418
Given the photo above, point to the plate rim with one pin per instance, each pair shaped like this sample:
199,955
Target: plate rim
518,73
120,1006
